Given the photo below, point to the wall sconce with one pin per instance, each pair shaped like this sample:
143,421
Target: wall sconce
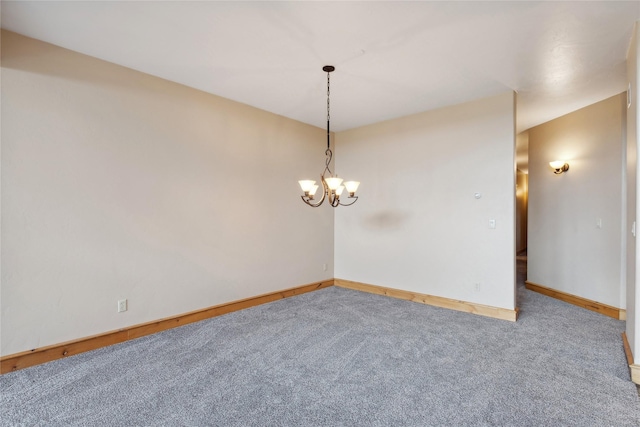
559,166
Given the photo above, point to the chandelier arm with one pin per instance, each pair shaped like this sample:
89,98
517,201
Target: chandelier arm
313,205
334,199
327,162
325,190
349,204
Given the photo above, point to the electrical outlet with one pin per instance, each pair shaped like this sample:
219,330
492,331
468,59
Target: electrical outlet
122,305
477,287
324,267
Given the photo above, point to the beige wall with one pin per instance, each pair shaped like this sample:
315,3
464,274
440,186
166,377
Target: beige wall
567,251
116,184
418,226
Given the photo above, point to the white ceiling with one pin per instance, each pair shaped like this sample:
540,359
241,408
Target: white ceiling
392,58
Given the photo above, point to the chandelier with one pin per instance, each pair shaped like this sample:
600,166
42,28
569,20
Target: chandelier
332,186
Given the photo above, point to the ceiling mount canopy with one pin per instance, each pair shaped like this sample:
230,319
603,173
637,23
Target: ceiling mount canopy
332,186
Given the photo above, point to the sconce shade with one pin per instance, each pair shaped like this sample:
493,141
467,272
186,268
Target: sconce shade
307,185
333,182
352,186
559,166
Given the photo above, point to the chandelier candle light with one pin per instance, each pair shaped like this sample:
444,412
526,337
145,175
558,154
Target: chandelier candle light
332,186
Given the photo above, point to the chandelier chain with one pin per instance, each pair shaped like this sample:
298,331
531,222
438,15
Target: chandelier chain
328,94
328,152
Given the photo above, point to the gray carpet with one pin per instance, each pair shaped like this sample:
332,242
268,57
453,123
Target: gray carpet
338,357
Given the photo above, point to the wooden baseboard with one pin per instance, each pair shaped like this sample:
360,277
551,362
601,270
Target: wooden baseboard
627,348
634,369
635,373
467,307
37,356
598,307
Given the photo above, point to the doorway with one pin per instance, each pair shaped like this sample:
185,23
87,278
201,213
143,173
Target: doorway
522,206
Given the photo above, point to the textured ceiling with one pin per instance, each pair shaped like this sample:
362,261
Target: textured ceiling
392,58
